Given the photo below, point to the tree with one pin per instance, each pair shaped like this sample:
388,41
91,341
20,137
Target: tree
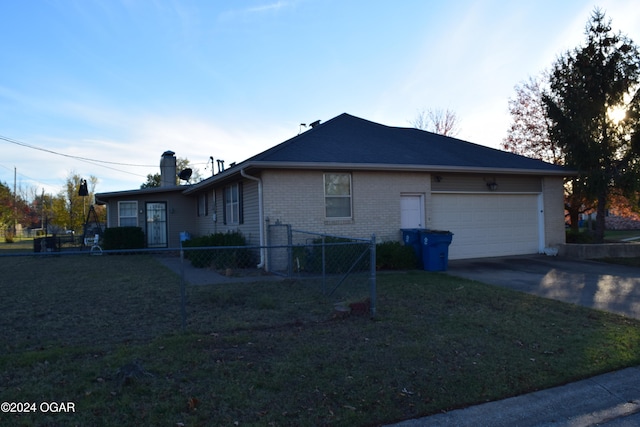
153,180
443,122
586,86
6,207
69,209
43,207
14,210
529,135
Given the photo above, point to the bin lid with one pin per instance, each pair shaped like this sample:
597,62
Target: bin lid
427,231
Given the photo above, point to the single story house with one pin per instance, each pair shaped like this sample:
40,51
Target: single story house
353,177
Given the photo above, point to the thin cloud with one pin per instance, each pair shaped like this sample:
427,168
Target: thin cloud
268,7
256,10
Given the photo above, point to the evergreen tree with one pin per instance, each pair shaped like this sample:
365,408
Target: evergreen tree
587,86
529,135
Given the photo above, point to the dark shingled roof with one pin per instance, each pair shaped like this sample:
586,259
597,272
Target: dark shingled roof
347,139
348,142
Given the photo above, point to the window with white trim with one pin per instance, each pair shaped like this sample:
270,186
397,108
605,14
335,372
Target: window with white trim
337,195
127,214
203,205
232,201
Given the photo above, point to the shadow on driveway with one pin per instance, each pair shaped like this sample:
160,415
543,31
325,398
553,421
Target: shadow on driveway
602,286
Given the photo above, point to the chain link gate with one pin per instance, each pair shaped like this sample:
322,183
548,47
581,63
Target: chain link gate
344,268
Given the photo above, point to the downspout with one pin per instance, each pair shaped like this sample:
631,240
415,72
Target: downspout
260,216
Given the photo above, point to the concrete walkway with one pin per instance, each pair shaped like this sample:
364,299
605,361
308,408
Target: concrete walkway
207,276
612,399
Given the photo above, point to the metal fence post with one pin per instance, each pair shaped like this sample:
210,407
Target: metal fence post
183,293
289,251
324,270
372,280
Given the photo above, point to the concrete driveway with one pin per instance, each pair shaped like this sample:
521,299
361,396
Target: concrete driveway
608,287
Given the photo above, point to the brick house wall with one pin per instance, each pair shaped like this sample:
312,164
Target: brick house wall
553,202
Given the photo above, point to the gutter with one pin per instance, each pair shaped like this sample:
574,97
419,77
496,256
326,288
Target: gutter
410,168
260,216
250,164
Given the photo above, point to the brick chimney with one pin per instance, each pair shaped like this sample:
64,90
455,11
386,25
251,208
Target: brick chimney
168,169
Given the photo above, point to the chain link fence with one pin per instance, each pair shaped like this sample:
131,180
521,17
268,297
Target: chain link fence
341,266
84,297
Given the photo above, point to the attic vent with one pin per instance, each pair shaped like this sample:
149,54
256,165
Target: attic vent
314,124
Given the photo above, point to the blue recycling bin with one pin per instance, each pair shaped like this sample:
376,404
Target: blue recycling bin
435,249
411,237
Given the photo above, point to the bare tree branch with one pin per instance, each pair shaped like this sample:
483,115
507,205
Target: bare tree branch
443,122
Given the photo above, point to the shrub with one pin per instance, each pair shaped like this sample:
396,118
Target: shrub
302,258
123,238
230,255
395,256
578,237
340,254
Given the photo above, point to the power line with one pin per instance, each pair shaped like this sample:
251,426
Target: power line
100,163
28,178
82,159
33,147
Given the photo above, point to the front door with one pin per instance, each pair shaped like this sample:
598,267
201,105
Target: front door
157,225
411,211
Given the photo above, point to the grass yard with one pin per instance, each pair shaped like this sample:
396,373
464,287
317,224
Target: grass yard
621,235
19,246
105,334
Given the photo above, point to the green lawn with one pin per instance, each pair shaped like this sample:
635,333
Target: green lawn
620,235
18,246
104,333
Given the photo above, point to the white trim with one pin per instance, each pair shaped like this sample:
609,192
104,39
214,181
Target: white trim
136,212
541,240
260,216
495,193
231,206
422,206
349,196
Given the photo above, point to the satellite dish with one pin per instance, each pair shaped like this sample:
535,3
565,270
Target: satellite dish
185,174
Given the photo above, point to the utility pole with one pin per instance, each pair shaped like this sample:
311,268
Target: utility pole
15,204
42,210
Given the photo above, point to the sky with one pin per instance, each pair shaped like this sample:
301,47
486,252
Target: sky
103,87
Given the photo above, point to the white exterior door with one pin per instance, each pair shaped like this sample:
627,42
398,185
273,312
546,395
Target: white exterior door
485,225
411,211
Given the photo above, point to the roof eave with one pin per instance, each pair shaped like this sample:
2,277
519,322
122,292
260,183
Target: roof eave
139,191
405,168
230,173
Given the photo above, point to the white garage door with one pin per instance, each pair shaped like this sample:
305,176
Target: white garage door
485,225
